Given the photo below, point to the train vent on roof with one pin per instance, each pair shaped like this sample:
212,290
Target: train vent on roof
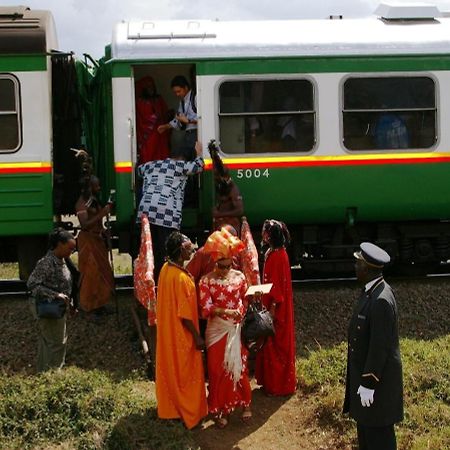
407,12
191,29
13,11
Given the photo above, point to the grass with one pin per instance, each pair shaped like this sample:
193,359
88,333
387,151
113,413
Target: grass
84,409
122,266
89,409
426,372
9,271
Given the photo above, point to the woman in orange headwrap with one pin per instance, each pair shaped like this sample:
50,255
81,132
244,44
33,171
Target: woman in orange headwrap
222,302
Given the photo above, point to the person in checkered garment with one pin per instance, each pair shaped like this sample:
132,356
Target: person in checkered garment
164,182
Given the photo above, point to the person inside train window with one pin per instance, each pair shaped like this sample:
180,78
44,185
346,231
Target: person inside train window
186,117
287,126
164,183
391,132
151,112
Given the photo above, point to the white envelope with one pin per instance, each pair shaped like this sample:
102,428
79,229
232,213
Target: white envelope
263,288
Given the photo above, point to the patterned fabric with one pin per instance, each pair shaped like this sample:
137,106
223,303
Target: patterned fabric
249,256
50,277
163,190
224,393
223,245
144,282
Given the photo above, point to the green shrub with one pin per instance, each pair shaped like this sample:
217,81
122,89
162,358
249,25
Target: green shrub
323,367
86,408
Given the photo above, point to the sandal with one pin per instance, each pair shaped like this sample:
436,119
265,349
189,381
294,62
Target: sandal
221,422
246,415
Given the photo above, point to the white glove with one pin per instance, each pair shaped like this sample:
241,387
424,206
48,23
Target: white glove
366,395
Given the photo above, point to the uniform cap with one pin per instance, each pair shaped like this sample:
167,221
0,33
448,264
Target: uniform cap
372,255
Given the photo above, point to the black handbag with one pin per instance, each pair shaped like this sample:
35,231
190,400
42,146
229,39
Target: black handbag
50,308
257,324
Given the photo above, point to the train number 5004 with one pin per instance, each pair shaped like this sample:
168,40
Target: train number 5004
253,173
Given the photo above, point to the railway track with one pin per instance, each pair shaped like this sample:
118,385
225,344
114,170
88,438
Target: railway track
18,287
125,282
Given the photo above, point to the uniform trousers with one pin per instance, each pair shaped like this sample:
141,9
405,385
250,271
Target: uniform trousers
376,438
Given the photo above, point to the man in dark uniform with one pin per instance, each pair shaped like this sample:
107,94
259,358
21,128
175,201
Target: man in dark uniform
374,386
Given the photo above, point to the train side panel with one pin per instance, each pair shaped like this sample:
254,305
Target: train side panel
26,203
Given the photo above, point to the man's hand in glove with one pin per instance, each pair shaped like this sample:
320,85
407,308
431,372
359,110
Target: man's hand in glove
366,395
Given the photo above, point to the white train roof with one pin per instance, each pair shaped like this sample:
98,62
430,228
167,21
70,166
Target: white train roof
406,29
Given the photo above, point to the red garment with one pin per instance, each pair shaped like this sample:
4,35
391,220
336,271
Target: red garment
144,265
150,114
226,293
249,256
200,264
275,362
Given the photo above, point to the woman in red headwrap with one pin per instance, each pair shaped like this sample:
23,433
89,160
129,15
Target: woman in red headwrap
275,362
151,111
222,301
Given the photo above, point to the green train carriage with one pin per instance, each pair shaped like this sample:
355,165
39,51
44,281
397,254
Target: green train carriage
41,119
335,182
296,105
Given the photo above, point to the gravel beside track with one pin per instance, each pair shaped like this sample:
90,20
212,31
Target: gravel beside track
322,312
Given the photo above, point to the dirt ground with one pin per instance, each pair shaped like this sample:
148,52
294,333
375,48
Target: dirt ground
278,423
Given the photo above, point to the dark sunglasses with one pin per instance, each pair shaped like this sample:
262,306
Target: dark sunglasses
224,266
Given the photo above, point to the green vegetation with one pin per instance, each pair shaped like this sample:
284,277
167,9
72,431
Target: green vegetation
89,409
426,372
9,271
85,410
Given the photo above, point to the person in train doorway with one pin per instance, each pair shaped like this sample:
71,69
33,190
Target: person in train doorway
186,117
374,385
186,122
164,184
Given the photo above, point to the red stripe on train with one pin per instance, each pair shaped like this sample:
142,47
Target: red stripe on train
328,163
19,170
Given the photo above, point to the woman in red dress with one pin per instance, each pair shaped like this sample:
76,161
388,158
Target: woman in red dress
275,362
151,111
222,302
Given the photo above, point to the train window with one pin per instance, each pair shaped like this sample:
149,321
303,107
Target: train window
267,116
9,114
389,113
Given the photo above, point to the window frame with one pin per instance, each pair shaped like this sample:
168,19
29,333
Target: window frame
17,112
418,74
269,77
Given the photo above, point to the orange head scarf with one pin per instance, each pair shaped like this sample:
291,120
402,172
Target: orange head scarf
223,245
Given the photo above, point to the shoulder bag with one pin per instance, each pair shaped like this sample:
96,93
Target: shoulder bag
50,308
257,324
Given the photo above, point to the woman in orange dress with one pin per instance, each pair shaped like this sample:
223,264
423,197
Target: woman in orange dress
275,362
222,302
180,380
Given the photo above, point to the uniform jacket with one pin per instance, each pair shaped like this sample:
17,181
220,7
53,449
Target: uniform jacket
373,359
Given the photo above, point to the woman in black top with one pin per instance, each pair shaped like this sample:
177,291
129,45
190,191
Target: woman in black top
51,279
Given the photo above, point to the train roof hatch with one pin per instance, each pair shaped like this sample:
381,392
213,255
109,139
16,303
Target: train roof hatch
407,11
25,31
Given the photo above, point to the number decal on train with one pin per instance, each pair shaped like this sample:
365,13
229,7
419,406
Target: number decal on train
253,173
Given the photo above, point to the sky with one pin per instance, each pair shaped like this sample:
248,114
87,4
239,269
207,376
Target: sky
85,26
